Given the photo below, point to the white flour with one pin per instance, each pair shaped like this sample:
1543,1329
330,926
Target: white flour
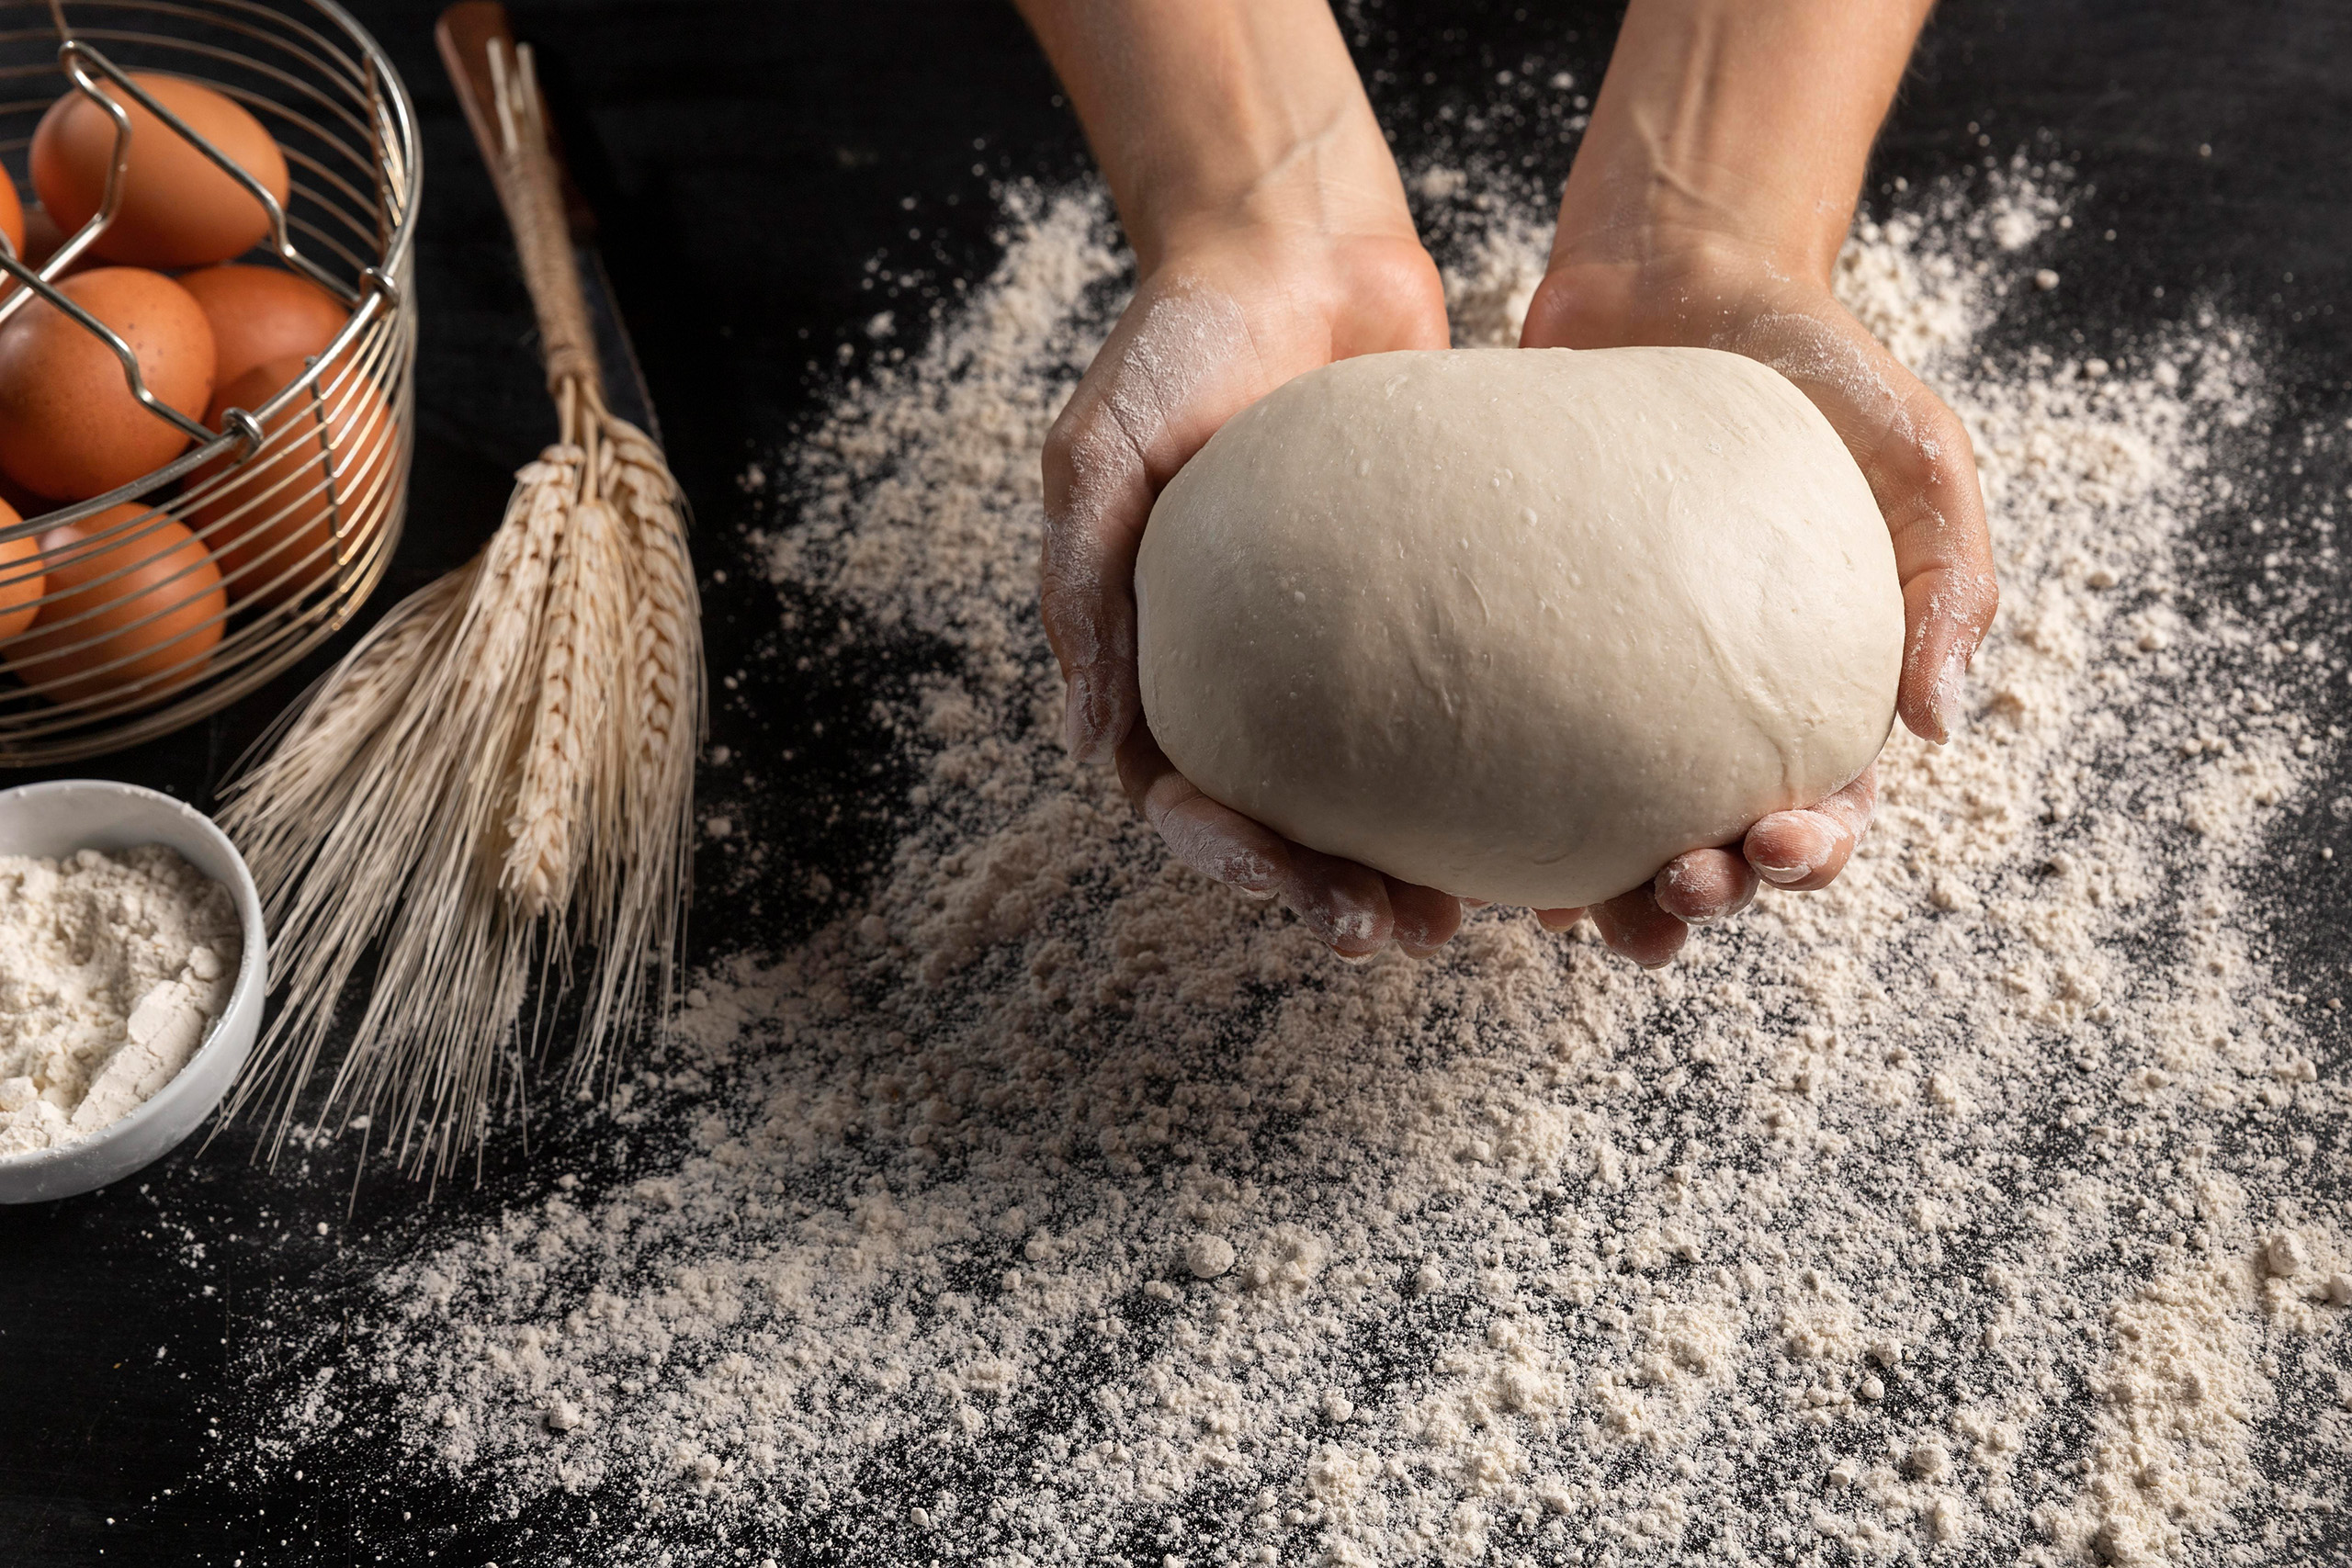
112,968
1058,1207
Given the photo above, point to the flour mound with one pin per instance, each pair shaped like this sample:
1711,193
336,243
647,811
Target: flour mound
1058,1207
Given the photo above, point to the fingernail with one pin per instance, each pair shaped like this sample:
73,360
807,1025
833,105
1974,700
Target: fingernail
1249,874
1804,865
1079,727
1333,925
1801,862
1950,697
1414,941
1670,881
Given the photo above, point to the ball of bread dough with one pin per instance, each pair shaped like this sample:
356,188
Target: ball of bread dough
1522,624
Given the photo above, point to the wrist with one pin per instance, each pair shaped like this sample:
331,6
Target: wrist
1304,199
1656,215
1216,115
1735,127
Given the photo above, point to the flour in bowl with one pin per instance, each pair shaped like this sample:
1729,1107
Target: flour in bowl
113,966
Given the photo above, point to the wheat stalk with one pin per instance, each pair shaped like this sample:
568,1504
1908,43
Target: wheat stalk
503,770
664,700
579,668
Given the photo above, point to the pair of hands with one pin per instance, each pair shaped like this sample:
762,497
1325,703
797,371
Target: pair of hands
1314,260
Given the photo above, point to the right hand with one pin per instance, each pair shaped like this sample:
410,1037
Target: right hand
1272,237
1221,320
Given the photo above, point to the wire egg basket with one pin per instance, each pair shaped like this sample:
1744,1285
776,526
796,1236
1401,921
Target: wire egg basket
169,596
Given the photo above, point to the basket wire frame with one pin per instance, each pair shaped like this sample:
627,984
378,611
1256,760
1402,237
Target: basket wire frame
298,502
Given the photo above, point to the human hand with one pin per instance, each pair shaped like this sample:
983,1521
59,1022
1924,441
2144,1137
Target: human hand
1916,456
1709,217
1271,230
1215,328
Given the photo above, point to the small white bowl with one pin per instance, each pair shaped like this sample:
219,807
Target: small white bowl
55,819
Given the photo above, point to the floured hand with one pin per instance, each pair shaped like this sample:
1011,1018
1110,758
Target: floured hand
1922,472
1708,203
1210,332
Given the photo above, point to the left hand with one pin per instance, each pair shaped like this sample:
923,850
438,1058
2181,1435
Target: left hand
1704,291
1706,208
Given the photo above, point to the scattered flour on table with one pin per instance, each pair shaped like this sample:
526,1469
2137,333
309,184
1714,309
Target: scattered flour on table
112,968
1058,1207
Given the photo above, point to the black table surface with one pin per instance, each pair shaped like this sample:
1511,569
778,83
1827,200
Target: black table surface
748,156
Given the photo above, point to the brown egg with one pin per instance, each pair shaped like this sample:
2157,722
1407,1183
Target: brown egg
261,313
12,214
139,613
271,524
179,209
22,581
69,426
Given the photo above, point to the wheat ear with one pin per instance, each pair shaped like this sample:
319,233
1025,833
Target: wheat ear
291,814
502,771
645,928
393,836
579,668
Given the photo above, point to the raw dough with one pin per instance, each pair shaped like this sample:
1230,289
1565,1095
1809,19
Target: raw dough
1522,624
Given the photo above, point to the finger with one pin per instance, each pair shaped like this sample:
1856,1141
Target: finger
1805,851
1216,840
1426,919
1705,884
1632,924
1587,305
1558,919
1924,478
1395,299
1177,363
1344,904
1098,495
1922,469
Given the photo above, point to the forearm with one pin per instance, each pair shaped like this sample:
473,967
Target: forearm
1745,123
1207,114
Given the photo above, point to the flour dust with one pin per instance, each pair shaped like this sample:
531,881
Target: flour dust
1056,1206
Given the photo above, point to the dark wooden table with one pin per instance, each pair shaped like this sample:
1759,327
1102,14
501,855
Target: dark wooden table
747,158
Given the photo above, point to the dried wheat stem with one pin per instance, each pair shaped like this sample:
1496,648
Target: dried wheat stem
577,672
504,770
666,707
